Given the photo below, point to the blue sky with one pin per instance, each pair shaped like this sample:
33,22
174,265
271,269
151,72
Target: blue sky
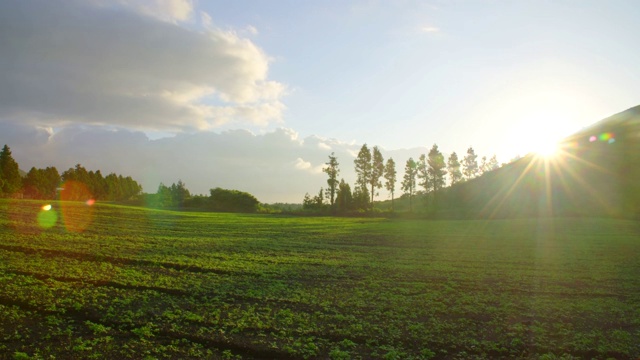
291,81
404,74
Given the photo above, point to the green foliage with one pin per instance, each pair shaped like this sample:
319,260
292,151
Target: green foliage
409,180
377,171
390,178
148,283
453,168
332,172
41,183
436,169
470,164
11,181
363,168
225,200
80,184
172,196
344,200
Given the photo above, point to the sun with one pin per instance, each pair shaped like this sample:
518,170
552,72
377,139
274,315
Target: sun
546,147
540,133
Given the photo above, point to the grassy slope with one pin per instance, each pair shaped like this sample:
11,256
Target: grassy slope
589,178
164,284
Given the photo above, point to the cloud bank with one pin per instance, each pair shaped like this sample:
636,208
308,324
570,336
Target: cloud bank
275,166
128,64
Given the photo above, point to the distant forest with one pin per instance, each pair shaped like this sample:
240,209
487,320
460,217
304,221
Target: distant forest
78,184
48,183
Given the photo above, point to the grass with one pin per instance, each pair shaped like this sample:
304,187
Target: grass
122,282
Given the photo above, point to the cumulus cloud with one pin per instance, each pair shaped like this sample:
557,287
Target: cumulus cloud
129,65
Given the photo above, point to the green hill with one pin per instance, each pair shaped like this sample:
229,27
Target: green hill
597,173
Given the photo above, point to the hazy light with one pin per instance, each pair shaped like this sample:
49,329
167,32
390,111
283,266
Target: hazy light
546,148
46,207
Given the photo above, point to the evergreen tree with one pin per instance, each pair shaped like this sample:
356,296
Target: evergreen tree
363,172
179,193
409,180
390,178
470,164
377,170
344,199
493,163
422,173
436,170
11,181
332,172
483,165
453,168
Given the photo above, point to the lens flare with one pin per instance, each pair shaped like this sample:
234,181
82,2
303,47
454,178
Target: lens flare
47,218
90,202
75,215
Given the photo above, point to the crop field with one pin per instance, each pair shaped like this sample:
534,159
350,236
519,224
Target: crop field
104,281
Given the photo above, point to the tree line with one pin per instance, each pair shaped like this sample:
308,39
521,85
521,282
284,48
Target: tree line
78,183
427,175
177,196
46,183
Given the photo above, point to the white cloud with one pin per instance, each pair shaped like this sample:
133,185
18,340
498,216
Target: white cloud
429,29
69,62
302,165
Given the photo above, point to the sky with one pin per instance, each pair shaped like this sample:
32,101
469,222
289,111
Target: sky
255,95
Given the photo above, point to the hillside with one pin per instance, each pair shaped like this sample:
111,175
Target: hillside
597,173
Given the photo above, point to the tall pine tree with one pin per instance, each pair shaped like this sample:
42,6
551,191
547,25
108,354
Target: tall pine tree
436,170
390,178
409,181
453,168
332,172
10,179
363,172
377,170
470,164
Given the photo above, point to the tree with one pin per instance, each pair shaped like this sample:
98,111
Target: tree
437,171
483,165
232,201
344,200
453,168
363,170
377,170
470,164
493,163
360,198
163,196
41,183
409,180
422,173
390,178
319,199
10,179
332,172
179,193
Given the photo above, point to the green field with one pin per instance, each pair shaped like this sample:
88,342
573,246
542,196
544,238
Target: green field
117,282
